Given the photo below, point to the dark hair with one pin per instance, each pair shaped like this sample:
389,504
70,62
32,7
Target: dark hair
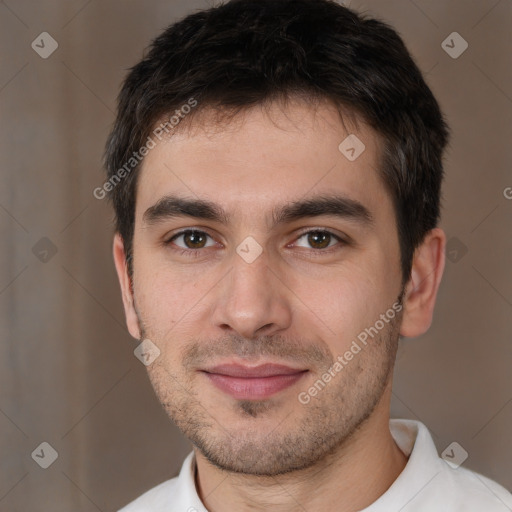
248,52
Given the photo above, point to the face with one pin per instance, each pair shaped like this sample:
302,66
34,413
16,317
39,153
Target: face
260,248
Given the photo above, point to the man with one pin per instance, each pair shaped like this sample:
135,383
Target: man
275,169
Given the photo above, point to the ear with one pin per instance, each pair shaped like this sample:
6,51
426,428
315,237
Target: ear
421,290
126,290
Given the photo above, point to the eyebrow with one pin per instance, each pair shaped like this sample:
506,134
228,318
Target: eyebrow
169,207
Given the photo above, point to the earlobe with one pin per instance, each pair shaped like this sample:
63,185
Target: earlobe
126,290
421,290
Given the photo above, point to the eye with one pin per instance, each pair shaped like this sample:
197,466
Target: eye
318,239
191,239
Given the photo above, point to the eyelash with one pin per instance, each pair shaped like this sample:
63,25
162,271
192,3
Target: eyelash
194,253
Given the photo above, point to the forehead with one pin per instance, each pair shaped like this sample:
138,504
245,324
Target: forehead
264,158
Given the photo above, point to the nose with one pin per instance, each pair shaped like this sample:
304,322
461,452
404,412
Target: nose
252,300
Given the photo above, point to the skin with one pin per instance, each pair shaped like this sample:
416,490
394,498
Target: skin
297,303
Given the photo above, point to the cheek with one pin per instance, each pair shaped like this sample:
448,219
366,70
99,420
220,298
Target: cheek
337,303
155,292
169,299
343,304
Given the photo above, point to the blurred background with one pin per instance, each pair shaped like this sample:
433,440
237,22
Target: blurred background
68,375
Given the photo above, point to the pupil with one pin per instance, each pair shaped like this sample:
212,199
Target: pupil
194,239
319,240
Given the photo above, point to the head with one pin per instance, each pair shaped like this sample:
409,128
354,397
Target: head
275,169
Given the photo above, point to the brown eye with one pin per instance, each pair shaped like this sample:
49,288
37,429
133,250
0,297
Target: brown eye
194,239
191,239
317,239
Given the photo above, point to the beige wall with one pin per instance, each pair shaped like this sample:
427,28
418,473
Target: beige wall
67,372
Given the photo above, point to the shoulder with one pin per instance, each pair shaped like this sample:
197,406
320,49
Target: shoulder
430,483
471,491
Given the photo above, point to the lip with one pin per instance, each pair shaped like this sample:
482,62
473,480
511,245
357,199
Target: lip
253,382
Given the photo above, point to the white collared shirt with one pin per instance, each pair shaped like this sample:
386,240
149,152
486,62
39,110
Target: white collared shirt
427,483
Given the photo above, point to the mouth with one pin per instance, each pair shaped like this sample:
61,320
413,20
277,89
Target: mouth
253,382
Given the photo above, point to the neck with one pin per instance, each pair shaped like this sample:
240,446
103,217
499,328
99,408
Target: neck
352,478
